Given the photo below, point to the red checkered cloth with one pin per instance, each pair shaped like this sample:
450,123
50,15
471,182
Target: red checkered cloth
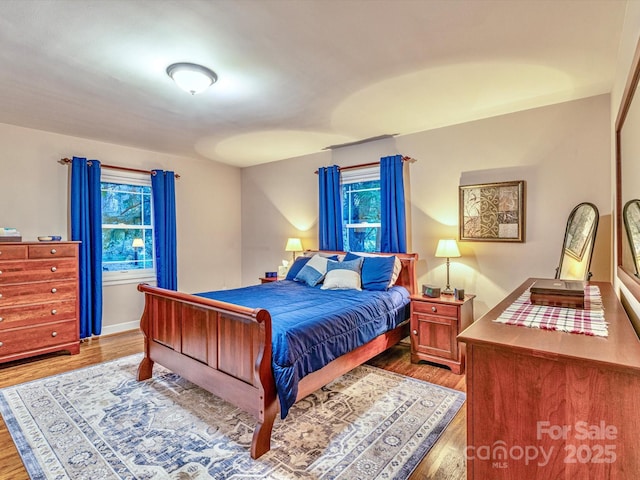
588,321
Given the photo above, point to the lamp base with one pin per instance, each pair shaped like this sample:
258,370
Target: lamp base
447,291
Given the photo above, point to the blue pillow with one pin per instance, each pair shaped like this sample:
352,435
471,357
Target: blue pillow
354,264
296,267
376,271
314,271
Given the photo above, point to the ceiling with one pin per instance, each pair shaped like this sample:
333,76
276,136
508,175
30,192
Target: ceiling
295,76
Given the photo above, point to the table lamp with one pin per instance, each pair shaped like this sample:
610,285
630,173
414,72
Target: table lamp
293,245
447,248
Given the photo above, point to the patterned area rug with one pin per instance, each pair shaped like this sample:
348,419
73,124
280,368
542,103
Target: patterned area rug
100,423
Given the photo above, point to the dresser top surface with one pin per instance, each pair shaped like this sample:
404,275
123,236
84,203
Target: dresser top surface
620,348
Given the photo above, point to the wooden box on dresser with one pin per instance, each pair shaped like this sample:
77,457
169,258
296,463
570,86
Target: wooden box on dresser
435,325
547,405
38,299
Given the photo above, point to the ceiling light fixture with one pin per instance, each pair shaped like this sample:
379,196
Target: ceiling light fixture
191,77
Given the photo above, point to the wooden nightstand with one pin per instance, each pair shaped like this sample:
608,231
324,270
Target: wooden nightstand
435,325
268,279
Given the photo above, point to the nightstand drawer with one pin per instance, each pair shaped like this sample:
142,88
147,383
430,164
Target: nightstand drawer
433,308
435,325
436,336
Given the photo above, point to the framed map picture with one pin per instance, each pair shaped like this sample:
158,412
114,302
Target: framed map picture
493,212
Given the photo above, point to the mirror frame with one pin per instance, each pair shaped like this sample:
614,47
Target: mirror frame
626,276
632,244
592,240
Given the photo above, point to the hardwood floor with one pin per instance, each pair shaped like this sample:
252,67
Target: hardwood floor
445,461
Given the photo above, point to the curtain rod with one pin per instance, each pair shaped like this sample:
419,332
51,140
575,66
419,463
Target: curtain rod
67,161
370,164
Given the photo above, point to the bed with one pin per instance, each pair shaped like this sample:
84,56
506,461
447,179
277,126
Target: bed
226,341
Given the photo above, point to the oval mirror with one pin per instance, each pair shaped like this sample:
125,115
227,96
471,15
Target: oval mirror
579,239
631,217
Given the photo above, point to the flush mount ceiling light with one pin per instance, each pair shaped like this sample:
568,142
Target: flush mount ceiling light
191,77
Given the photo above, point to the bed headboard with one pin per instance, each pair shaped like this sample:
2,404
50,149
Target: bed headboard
407,277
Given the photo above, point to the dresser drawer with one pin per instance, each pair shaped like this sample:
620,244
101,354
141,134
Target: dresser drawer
52,250
37,292
13,252
433,308
38,270
36,337
17,316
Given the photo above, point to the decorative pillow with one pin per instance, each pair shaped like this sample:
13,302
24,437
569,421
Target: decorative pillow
313,272
378,272
296,267
331,256
343,275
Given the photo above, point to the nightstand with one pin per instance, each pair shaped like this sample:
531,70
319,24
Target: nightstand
268,279
435,325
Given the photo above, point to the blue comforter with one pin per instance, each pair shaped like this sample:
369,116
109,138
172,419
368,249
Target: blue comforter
311,327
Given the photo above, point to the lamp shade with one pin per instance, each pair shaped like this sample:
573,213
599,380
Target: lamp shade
137,242
293,245
447,248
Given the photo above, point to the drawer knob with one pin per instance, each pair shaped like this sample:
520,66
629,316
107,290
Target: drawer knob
434,309
54,290
415,332
1,344
53,251
1,319
53,269
0,272
54,311
54,334
0,295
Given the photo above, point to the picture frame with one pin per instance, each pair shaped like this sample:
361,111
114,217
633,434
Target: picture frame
492,212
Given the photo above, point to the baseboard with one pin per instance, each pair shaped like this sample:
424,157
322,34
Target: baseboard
120,327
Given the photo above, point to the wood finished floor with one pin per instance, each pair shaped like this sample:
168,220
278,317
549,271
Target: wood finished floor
445,461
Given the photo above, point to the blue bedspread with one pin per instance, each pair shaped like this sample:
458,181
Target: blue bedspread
311,327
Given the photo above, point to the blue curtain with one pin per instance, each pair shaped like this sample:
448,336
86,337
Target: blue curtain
86,227
330,230
392,215
163,192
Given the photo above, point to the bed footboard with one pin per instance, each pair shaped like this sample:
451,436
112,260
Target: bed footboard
223,348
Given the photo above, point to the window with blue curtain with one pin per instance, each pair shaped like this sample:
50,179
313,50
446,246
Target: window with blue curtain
86,227
371,208
330,203
128,251
164,215
393,214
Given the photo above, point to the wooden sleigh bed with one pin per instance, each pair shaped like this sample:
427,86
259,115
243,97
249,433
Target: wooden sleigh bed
227,349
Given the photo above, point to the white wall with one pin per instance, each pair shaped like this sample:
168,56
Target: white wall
561,151
34,199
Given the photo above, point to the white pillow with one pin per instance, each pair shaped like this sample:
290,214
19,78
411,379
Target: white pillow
342,279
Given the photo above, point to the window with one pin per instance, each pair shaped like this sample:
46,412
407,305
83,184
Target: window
361,209
127,228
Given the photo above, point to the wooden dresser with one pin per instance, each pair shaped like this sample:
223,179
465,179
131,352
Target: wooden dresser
551,405
38,299
435,325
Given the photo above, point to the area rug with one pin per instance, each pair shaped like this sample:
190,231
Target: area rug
100,423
